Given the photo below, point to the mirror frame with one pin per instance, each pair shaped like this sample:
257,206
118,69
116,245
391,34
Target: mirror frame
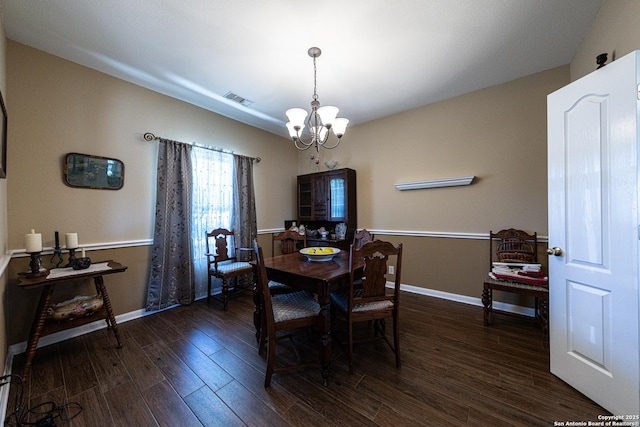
76,175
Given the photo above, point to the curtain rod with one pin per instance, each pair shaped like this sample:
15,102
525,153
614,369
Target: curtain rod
148,136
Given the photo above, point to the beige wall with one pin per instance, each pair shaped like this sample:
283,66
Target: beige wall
60,107
497,134
615,31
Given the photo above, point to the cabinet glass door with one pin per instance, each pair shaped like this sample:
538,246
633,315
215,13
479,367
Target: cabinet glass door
336,199
304,200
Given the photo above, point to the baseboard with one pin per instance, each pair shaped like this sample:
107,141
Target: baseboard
512,308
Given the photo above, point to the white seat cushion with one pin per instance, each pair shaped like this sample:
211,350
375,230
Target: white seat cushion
225,268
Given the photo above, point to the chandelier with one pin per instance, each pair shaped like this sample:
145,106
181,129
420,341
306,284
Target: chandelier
319,122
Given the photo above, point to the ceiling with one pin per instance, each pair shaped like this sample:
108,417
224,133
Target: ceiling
379,57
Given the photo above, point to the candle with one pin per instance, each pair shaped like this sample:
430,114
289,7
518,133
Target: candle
82,252
71,239
57,241
33,242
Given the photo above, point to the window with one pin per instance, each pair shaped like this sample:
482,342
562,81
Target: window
211,204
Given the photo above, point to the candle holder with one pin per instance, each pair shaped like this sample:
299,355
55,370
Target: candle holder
34,265
72,257
56,258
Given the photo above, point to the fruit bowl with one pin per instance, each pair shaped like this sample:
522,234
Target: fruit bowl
320,254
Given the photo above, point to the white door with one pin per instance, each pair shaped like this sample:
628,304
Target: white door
594,224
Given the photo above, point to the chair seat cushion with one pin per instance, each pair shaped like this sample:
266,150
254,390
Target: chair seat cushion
294,305
231,267
341,300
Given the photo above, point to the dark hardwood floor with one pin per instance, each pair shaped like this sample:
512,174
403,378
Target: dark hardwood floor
198,365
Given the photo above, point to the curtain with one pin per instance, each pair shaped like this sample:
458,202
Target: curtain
171,277
212,206
244,203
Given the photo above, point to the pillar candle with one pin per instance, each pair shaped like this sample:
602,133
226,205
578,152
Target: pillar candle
33,242
71,239
82,252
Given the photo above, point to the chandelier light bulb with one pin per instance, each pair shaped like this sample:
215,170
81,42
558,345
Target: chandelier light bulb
328,114
340,126
293,132
296,116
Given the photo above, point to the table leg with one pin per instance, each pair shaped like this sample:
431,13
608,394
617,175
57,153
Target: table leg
36,327
324,325
111,320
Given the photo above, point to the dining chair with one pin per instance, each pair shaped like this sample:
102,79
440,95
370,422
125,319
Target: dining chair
281,312
361,237
372,301
226,261
515,247
290,241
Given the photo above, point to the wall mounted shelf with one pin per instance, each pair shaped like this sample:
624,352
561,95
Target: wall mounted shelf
435,183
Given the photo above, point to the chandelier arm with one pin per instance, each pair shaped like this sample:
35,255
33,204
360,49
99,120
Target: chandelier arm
332,147
304,147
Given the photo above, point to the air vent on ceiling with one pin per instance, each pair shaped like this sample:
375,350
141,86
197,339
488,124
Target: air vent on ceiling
237,98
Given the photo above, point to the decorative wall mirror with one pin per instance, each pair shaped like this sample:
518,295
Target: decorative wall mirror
87,171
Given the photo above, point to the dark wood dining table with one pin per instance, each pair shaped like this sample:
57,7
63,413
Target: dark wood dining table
320,278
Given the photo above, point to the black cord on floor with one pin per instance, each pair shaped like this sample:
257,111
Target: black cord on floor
42,415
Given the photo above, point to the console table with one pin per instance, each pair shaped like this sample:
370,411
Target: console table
42,325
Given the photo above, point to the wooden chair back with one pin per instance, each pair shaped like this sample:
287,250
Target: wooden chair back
512,245
375,255
224,247
262,286
290,241
361,237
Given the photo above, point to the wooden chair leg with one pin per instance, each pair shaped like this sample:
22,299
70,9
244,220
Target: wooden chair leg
258,321
209,289
263,335
487,302
350,345
225,291
396,339
271,361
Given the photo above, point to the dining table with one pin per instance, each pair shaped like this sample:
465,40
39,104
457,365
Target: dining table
320,278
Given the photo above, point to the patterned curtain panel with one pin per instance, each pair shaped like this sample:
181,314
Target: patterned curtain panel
171,277
244,203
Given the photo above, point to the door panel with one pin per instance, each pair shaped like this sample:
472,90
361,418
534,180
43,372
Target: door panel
593,218
589,315
586,146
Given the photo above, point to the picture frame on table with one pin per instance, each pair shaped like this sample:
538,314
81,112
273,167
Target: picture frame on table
3,138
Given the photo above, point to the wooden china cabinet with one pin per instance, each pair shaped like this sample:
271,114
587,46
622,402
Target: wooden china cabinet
326,199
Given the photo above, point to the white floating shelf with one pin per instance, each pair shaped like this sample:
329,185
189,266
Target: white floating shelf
435,183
